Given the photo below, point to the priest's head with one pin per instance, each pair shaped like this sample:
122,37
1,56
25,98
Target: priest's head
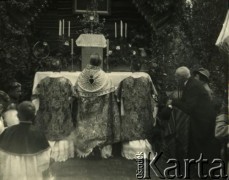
95,60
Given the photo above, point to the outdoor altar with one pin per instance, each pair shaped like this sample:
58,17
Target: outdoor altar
116,77
93,41
162,35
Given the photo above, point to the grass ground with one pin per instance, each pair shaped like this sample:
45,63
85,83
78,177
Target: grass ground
96,168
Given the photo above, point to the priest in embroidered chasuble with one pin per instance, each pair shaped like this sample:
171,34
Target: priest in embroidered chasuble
98,122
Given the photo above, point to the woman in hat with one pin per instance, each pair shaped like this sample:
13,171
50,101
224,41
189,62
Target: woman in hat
203,75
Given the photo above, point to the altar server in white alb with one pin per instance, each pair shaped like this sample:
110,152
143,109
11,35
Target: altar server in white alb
24,151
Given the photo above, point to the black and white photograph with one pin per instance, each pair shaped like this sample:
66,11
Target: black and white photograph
102,6
114,89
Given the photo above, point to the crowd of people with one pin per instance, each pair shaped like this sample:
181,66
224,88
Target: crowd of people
93,116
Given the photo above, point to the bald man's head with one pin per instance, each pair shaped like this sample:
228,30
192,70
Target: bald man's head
182,74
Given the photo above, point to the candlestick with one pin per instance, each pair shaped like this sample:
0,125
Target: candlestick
107,62
63,27
115,30
69,27
60,26
121,28
125,30
107,47
72,45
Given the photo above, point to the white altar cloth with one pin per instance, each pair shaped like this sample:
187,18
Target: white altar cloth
116,77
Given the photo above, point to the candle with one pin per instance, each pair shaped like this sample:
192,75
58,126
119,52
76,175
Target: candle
69,28
63,27
121,28
60,26
125,30
115,30
107,47
72,45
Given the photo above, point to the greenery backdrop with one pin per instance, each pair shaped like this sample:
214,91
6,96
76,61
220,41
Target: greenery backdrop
180,33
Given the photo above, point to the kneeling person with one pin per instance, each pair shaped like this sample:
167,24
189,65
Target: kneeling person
24,151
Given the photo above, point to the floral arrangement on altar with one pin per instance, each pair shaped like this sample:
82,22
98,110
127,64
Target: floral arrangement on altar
132,44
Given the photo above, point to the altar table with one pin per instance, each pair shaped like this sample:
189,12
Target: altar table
116,77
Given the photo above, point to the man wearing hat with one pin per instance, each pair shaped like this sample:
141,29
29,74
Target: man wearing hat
203,75
196,102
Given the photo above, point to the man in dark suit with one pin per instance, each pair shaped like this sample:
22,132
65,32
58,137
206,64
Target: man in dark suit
196,103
